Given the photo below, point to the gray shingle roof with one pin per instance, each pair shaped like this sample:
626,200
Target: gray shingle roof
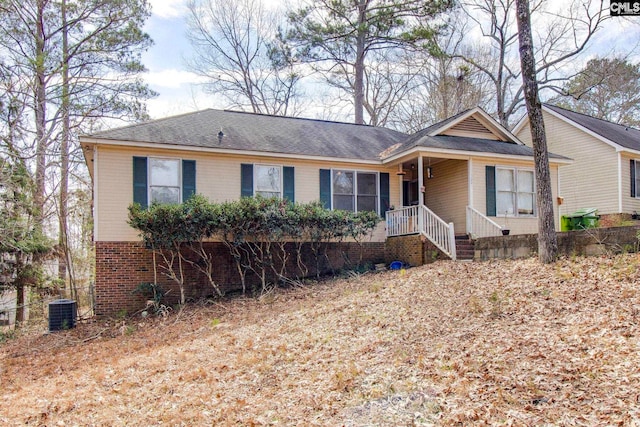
257,132
296,136
624,136
461,143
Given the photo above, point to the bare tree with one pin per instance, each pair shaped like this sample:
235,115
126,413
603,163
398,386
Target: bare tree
236,52
443,85
547,239
561,35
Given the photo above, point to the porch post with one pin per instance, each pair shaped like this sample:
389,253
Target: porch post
469,229
400,182
420,181
420,193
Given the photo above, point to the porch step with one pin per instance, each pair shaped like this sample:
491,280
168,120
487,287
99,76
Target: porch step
465,248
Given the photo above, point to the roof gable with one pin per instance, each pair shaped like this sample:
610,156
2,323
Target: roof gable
473,123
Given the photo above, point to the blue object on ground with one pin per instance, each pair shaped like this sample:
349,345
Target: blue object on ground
395,265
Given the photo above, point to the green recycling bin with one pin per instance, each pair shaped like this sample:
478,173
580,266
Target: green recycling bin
580,219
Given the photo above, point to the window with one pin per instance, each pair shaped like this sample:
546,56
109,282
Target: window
164,180
635,177
268,180
515,192
355,191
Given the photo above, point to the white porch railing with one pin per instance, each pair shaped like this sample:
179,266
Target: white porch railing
479,225
403,221
420,219
438,232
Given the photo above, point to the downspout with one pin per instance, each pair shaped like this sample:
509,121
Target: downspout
560,208
95,193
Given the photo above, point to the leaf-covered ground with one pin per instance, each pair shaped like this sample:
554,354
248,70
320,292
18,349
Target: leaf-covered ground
492,343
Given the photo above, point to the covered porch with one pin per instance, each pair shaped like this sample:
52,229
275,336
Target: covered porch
436,191
464,176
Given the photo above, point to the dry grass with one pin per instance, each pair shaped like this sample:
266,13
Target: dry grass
496,343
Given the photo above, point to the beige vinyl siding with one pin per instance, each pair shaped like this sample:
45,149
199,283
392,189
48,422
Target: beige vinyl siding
447,192
217,178
470,127
591,181
629,203
517,225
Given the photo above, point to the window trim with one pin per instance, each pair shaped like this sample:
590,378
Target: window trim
149,177
636,165
516,170
255,178
355,190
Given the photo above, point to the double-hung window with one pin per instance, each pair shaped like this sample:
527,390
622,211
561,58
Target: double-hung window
354,190
515,192
164,180
635,178
268,180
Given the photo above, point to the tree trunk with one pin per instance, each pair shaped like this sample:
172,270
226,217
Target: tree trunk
64,256
358,89
40,114
547,239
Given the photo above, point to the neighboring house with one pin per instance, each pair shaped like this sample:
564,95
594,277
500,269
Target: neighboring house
606,169
465,175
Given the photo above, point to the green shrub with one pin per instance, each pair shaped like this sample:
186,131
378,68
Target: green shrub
255,230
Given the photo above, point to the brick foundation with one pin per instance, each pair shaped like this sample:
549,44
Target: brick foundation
413,250
122,266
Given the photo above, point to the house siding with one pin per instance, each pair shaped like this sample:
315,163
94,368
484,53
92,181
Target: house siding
526,225
447,192
217,178
629,204
592,180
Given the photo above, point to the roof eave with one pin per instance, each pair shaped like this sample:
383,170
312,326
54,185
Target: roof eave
92,141
465,154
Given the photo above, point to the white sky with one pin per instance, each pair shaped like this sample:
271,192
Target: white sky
178,90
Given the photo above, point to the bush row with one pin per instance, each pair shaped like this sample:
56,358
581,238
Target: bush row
255,230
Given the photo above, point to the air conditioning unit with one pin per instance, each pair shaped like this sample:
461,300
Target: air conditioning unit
62,315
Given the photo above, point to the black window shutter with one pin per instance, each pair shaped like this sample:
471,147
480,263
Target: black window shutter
325,188
188,179
246,180
384,193
289,184
633,178
491,190
140,194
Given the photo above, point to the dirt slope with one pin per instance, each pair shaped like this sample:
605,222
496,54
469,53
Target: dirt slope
495,343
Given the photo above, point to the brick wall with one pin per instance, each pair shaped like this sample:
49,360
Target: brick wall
413,249
122,266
